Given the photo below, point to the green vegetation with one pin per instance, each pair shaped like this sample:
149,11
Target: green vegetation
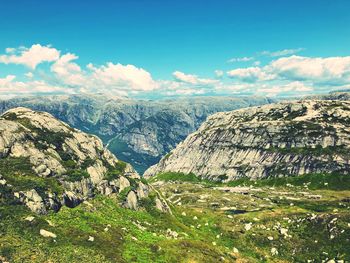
312,181
330,181
172,176
18,172
204,230
87,163
10,116
115,172
294,114
120,235
167,155
76,175
317,151
124,193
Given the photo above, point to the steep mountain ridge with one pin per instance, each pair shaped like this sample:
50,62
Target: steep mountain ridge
44,164
138,131
290,138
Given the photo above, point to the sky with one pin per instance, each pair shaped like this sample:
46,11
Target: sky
160,48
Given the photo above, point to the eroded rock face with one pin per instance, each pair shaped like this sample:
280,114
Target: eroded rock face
131,200
275,140
65,164
146,129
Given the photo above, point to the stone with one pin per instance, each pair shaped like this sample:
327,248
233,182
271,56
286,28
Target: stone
248,226
123,183
46,233
30,140
274,251
131,200
29,218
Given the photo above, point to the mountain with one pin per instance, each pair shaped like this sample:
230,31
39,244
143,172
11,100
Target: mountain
45,164
284,139
137,131
336,95
65,198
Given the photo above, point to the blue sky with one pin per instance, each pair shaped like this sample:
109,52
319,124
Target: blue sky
175,47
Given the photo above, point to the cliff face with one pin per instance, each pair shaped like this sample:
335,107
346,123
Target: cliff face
293,138
137,131
44,164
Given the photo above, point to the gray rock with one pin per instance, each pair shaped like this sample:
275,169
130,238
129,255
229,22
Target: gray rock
46,233
272,140
32,200
150,129
131,201
46,143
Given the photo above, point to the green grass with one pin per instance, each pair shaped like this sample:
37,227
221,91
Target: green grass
124,241
331,181
172,176
76,175
115,172
317,151
18,172
313,181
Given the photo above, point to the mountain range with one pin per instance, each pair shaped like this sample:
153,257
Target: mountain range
137,131
266,183
276,140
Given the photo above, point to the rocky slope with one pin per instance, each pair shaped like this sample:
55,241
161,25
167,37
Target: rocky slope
138,131
44,164
292,138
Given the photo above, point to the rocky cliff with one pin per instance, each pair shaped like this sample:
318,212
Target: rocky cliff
137,131
291,138
44,164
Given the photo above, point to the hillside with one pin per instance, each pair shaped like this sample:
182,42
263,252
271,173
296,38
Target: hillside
137,131
284,139
64,198
46,164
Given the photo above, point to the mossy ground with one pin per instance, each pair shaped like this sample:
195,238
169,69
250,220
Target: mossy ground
120,235
210,220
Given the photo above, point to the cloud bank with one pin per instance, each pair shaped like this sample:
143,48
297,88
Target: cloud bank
52,71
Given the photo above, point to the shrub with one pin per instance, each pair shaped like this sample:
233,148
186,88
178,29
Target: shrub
77,175
116,172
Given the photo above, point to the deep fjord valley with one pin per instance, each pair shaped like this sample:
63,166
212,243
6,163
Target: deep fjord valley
262,183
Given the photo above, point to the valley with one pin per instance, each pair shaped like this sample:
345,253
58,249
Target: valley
140,132
64,197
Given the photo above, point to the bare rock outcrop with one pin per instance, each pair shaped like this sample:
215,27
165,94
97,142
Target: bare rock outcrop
47,164
283,139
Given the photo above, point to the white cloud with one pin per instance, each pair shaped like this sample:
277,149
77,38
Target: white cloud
250,74
286,75
219,73
292,87
29,75
242,59
30,57
127,77
67,71
5,81
10,87
257,63
192,79
281,53
332,70
10,50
